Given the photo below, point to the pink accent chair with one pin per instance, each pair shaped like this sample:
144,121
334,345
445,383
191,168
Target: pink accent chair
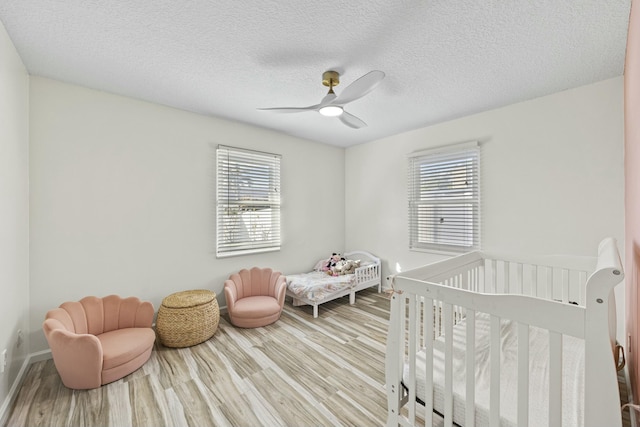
99,340
255,297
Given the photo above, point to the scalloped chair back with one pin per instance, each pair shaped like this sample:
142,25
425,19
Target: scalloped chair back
255,297
96,341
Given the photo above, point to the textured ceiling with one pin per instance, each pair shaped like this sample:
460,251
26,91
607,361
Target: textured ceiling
442,59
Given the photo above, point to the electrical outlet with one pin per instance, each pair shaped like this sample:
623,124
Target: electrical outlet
3,360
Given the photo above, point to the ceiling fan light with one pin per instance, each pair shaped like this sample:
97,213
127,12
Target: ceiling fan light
330,111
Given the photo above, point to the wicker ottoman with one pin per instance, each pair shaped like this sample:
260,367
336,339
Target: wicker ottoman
187,318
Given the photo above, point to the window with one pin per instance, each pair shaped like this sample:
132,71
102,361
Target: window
247,202
444,200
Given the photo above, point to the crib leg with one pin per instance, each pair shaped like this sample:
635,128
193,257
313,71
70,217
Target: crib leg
352,298
315,311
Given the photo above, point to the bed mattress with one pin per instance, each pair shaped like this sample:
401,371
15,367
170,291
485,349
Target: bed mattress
317,285
572,381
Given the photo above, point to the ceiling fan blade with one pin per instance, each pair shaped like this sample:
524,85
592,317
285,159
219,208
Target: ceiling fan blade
360,87
291,109
325,101
351,120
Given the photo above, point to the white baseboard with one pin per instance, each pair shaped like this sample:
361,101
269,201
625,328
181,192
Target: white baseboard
13,391
40,356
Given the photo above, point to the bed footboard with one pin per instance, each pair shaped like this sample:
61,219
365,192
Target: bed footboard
369,274
508,311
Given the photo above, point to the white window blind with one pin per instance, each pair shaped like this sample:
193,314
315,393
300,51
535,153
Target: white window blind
444,199
247,201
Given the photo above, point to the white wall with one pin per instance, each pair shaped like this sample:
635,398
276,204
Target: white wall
14,209
122,198
551,170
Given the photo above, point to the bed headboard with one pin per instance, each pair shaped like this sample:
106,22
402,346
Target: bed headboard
362,255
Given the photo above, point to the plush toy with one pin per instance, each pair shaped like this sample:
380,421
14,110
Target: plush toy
337,268
344,266
335,258
350,266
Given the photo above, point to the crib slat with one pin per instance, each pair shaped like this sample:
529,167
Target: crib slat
428,379
549,282
504,289
473,281
448,365
555,378
470,398
438,326
492,283
426,334
506,286
494,396
523,375
476,278
565,286
519,279
462,284
466,284
455,282
572,285
534,281
395,357
413,333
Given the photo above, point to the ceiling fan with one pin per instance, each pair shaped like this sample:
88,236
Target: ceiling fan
332,105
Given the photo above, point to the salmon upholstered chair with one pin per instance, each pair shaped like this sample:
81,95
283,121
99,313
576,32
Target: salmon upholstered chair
255,297
99,340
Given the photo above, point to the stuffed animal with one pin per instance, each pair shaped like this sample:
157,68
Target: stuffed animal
337,269
335,258
350,266
344,266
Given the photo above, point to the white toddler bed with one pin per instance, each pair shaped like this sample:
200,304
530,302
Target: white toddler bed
317,287
542,333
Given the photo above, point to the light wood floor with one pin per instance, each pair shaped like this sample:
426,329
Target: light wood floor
299,371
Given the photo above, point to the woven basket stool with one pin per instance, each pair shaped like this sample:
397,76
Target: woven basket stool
187,318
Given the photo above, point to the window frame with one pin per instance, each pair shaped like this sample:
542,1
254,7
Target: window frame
247,184
464,204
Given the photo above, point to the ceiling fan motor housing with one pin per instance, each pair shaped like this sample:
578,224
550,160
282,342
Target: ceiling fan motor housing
330,78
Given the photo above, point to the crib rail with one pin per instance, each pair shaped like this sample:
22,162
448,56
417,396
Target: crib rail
428,302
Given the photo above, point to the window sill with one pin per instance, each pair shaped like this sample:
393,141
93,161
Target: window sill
442,251
246,252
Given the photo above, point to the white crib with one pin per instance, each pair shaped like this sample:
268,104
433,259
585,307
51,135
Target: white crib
542,330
